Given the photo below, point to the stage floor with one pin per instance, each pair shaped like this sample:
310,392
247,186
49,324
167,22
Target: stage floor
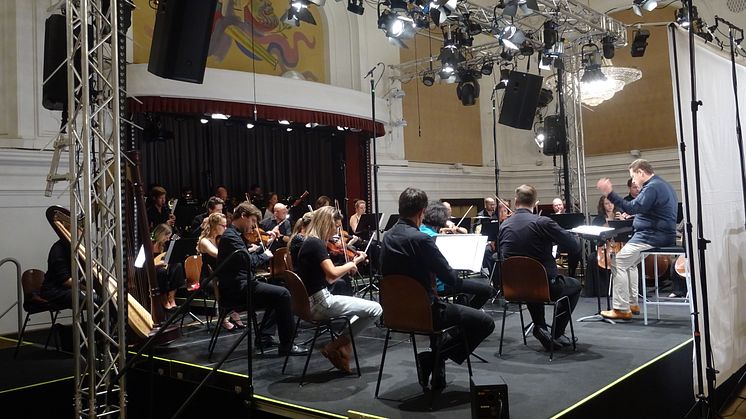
536,387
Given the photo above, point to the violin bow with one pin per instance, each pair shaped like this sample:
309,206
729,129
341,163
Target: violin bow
464,216
507,207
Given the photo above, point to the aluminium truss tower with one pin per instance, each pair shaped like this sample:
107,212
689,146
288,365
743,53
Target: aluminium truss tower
95,75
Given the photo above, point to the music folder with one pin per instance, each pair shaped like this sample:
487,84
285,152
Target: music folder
393,218
462,251
367,224
179,249
568,221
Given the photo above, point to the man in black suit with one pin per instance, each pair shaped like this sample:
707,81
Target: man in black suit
237,279
527,234
408,251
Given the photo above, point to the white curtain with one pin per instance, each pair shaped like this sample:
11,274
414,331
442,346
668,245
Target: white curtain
721,195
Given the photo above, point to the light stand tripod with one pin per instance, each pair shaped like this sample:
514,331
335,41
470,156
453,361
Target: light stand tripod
703,402
373,271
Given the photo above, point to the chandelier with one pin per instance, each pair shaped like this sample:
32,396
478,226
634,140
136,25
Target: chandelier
593,93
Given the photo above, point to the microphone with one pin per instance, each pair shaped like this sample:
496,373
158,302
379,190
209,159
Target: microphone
370,73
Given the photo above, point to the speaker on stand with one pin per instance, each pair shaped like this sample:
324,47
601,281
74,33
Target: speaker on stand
521,100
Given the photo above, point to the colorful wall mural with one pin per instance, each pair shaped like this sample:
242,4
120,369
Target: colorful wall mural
248,35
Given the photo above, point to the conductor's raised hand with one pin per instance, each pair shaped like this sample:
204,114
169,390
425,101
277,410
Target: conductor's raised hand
604,186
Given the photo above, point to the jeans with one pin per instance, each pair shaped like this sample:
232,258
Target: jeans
625,276
362,313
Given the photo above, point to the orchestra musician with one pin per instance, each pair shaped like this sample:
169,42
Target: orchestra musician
58,282
360,206
207,245
271,201
279,225
606,212
299,234
450,227
655,209
634,190
408,251
531,235
237,280
317,271
222,192
214,204
158,211
558,205
171,276
477,293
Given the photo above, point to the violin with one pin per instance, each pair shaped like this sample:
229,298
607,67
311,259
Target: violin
336,248
257,236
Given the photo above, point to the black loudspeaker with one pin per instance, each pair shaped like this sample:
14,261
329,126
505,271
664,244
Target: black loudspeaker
520,100
54,91
489,397
181,39
555,142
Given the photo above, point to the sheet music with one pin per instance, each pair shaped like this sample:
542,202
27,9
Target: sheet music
462,251
591,230
170,249
140,259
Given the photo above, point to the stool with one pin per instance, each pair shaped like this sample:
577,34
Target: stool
663,301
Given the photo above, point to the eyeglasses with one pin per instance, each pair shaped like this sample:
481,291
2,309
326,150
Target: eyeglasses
224,225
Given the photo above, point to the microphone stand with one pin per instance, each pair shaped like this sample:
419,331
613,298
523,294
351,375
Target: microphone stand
496,269
376,212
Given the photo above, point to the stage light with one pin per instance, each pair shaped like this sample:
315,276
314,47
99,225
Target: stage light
682,16
319,3
355,6
396,26
398,5
639,42
539,138
283,122
639,5
608,46
249,125
441,9
219,116
545,62
288,129
450,57
340,128
550,34
446,71
298,12
592,71
511,8
512,37
468,89
487,68
428,79
203,120
545,98
504,77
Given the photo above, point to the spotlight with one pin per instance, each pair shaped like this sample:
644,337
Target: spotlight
639,42
682,16
512,37
249,125
545,61
550,34
355,6
283,122
441,9
398,5
203,120
446,71
298,12
396,26
608,46
450,57
219,116
428,79
527,7
539,138
487,68
288,129
504,77
527,50
468,89
639,5
592,71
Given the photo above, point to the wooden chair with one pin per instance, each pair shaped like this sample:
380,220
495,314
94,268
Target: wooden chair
407,308
278,265
302,308
193,272
524,280
31,282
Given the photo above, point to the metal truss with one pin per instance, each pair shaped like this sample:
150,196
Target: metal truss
95,74
577,24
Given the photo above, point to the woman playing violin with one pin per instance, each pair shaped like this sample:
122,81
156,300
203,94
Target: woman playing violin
317,271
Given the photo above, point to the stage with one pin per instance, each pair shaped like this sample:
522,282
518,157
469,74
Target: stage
617,364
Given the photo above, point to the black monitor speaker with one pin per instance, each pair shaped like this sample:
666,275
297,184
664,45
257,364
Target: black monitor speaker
181,39
54,91
555,141
520,100
489,397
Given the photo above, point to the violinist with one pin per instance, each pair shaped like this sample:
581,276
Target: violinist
299,234
451,227
606,212
236,278
279,225
207,245
214,204
170,276
316,271
478,293
360,207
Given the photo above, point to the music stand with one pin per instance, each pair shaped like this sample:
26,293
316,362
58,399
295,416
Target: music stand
393,219
367,225
464,252
490,230
296,213
623,229
568,221
179,249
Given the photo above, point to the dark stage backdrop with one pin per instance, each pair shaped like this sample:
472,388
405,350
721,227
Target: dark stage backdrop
203,156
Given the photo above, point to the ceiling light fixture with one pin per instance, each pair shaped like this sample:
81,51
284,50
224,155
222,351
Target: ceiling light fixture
512,37
639,5
355,6
639,42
